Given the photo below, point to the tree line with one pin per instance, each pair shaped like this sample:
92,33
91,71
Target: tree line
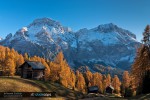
60,71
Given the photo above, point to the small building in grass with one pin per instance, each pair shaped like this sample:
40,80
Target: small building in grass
32,70
93,89
109,89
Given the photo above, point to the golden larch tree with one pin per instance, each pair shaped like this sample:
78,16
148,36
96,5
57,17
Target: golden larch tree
116,84
80,84
126,79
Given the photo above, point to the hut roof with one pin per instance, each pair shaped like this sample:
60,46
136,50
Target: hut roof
35,65
92,88
110,86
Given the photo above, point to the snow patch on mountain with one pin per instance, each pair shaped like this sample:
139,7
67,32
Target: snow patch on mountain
108,34
24,29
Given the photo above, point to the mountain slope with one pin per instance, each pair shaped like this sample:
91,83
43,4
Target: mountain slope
106,44
43,37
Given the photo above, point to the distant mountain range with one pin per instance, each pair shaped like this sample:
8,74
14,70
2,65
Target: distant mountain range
107,45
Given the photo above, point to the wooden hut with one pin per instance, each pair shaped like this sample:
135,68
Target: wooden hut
93,89
109,89
32,70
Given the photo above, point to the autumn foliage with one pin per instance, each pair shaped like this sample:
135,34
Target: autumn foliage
59,71
141,66
10,60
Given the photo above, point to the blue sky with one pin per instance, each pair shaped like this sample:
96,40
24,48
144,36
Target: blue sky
133,15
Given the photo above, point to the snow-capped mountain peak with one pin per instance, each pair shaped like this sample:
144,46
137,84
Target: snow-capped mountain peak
24,29
45,21
110,27
107,34
9,36
105,43
49,25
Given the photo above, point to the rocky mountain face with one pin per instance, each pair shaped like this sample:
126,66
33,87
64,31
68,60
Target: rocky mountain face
43,37
106,44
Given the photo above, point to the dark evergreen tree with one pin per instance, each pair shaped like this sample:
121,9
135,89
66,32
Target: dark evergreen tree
146,83
146,35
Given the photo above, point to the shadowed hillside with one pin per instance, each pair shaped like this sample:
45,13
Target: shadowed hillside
16,84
